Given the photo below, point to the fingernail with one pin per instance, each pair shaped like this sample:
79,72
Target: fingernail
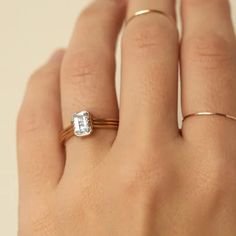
57,55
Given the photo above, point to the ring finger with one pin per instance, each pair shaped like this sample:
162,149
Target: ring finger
149,72
87,81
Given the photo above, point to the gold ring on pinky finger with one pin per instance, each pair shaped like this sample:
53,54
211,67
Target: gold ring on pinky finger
83,124
207,113
149,11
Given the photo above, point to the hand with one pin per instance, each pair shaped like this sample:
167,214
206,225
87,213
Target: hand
147,178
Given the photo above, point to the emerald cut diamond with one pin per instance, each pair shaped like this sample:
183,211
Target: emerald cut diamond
82,124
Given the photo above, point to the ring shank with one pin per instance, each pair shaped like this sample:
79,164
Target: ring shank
206,113
68,132
148,11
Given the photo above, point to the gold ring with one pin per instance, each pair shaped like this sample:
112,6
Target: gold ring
83,124
207,113
148,11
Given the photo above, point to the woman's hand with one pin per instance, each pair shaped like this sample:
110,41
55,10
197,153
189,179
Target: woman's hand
147,178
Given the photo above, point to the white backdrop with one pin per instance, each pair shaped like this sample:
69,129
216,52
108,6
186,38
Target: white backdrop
30,31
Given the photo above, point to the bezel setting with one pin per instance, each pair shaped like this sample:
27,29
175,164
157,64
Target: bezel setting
82,124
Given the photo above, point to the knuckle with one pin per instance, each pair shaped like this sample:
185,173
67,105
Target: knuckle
226,176
76,206
79,65
80,73
210,51
40,220
218,176
145,36
83,67
43,224
70,210
212,180
149,174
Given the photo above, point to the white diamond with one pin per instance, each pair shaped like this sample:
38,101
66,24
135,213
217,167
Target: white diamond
82,124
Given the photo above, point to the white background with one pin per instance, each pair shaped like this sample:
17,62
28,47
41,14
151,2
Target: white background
30,31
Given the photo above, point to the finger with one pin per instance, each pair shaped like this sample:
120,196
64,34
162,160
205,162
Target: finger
88,74
149,74
208,61
40,157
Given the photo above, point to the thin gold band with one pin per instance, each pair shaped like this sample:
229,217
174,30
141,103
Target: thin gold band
206,113
148,11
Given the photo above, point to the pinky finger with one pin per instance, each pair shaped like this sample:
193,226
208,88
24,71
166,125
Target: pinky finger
40,157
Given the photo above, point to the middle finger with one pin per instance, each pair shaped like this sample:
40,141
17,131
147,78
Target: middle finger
149,73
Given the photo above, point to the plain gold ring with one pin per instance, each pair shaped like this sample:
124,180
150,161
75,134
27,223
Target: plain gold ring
207,113
149,11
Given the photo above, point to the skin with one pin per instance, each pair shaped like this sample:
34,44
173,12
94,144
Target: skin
147,178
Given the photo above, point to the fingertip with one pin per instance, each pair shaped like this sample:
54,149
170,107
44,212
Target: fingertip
57,56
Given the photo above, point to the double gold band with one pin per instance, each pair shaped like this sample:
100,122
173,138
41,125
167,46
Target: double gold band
83,124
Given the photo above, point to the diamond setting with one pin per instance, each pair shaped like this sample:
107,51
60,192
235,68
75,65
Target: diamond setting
82,123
